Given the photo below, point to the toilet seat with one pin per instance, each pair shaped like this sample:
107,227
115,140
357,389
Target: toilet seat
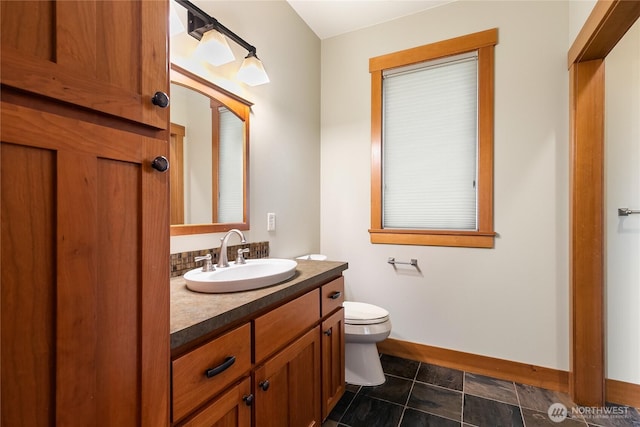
360,313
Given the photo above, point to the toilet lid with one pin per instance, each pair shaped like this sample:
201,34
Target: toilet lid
360,313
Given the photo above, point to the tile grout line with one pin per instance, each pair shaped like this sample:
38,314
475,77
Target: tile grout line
478,395
349,406
406,402
436,386
503,401
464,395
536,410
515,387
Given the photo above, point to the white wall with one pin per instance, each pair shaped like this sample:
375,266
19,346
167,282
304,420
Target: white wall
579,11
510,302
285,121
622,189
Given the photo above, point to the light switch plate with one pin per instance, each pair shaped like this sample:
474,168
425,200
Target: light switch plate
271,221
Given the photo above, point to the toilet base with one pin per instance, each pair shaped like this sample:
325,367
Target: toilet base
362,364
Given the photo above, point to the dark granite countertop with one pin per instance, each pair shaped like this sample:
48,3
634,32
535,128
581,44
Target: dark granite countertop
195,315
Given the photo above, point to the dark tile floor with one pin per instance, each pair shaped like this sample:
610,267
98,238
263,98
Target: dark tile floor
418,394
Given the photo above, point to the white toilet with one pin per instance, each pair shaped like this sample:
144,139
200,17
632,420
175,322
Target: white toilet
365,325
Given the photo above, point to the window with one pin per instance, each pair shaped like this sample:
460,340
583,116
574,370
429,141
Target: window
432,144
230,176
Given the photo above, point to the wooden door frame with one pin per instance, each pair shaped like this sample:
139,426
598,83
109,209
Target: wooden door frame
176,176
606,25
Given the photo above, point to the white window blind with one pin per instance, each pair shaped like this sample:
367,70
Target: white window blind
230,174
430,145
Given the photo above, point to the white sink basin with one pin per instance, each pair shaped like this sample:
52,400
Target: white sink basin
255,274
315,257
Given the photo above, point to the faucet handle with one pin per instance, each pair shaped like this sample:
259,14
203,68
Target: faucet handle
208,265
239,258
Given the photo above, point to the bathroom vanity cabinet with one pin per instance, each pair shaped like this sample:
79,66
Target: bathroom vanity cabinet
281,366
85,217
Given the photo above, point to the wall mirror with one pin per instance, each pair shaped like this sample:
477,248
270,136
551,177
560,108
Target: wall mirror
209,156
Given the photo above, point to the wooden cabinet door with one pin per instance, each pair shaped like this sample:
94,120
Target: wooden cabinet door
333,384
232,409
107,56
85,277
287,386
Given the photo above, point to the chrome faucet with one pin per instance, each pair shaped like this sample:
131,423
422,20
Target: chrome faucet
223,261
207,265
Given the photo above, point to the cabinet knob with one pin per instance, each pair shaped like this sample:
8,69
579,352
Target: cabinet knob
264,385
328,332
248,399
160,163
160,99
335,295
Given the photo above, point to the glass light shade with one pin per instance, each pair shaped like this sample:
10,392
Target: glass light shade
175,24
214,48
252,72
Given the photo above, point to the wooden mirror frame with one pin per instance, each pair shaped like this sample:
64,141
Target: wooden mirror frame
242,108
607,24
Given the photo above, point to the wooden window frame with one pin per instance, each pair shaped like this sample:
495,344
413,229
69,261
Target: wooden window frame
484,43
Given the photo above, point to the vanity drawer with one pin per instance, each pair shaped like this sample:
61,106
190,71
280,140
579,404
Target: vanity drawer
202,373
279,326
332,295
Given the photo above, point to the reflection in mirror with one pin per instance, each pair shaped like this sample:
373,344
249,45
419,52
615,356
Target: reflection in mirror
209,156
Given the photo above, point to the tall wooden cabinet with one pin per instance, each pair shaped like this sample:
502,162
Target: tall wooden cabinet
85,216
106,56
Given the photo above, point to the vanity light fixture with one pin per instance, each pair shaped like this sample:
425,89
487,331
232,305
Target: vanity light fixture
214,49
213,44
251,71
175,25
